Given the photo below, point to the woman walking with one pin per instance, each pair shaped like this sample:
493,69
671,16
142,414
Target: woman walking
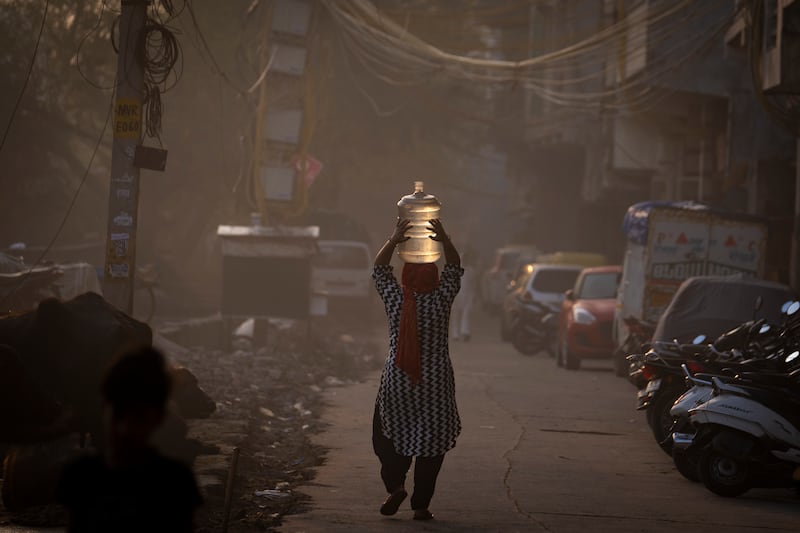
415,412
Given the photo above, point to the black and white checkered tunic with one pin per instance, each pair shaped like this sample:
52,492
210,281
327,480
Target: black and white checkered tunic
420,419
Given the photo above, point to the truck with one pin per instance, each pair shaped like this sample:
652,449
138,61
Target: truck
668,242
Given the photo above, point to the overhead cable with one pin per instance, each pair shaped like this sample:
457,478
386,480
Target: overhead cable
27,76
70,207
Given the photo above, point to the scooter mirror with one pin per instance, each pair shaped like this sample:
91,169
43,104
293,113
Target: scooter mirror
792,356
785,306
794,307
764,328
700,339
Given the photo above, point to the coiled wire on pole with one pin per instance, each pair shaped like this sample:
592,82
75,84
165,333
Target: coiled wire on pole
159,53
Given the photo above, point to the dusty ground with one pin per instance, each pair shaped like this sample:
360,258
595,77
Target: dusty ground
268,405
269,402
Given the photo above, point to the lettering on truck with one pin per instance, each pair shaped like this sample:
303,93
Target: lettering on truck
681,271
716,269
677,271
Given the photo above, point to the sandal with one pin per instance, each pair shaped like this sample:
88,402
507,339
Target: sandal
422,514
393,501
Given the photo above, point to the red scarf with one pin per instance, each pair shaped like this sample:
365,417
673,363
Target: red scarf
421,278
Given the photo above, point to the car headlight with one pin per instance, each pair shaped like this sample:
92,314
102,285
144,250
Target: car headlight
582,316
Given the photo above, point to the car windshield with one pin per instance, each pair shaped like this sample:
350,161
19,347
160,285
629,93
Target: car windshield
552,280
599,286
334,256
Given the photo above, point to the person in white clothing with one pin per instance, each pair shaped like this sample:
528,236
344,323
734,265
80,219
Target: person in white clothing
462,306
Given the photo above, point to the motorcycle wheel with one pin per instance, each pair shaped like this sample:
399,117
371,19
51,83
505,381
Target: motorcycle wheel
723,475
687,462
524,343
659,417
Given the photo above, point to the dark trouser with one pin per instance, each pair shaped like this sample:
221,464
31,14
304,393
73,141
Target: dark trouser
395,466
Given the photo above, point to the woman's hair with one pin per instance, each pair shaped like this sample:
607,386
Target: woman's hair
420,277
138,378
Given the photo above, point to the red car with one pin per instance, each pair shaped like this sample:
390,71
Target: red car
587,315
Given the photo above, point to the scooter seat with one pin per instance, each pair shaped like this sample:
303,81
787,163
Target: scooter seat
693,349
771,379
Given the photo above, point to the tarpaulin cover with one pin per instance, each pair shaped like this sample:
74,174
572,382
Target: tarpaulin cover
634,225
710,306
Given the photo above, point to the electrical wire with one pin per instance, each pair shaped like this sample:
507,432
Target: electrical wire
27,76
216,68
548,60
654,73
158,52
103,8
70,207
380,113
366,43
363,18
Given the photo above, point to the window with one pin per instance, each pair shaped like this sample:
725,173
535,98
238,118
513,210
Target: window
599,286
551,280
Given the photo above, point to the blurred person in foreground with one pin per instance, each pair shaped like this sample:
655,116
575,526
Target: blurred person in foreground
415,412
130,486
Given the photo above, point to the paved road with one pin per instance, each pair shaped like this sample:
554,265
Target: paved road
543,449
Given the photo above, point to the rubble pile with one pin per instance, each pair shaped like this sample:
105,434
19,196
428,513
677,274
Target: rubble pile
263,398
269,401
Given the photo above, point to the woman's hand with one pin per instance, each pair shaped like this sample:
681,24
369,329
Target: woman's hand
450,252
384,256
400,229
437,228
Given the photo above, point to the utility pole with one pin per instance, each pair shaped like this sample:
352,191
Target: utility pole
123,199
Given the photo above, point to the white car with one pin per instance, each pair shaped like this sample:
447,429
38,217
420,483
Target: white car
342,269
542,283
503,270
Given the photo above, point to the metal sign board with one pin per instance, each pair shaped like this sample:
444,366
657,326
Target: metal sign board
278,183
283,125
289,60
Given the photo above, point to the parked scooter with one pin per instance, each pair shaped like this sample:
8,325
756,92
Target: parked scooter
661,379
700,392
748,432
701,389
781,356
532,330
